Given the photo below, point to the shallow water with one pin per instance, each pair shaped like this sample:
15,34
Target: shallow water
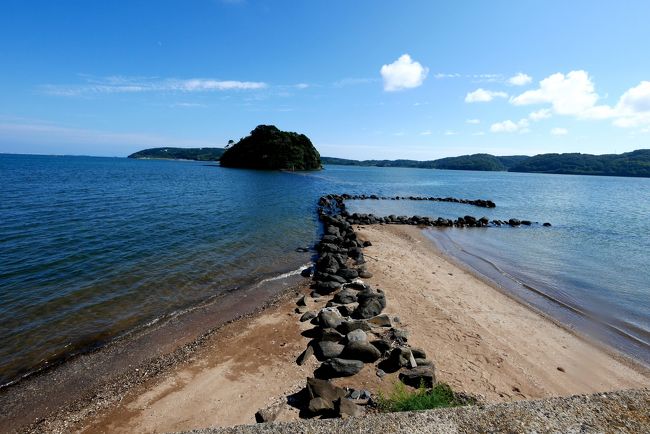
93,247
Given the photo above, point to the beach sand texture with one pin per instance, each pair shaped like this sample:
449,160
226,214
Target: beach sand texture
481,341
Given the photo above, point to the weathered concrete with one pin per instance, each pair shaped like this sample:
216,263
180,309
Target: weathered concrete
619,412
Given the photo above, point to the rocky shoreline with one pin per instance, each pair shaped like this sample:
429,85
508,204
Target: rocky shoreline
350,329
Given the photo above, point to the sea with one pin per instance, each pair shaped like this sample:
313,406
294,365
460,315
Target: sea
93,248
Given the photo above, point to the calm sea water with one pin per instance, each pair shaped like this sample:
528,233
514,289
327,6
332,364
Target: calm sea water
91,248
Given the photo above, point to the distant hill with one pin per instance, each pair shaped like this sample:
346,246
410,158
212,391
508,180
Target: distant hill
485,162
196,154
635,163
267,147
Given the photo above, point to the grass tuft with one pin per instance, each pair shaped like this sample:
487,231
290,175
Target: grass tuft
403,398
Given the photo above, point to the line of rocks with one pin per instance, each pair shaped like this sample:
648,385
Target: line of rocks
476,202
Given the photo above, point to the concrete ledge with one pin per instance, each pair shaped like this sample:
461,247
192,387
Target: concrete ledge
624,411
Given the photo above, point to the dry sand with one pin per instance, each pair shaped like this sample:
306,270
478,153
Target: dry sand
481,341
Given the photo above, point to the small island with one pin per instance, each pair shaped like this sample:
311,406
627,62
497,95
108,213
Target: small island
269,148
193,154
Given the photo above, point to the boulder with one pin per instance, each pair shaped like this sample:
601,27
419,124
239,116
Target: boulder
361,350
265,415
330,334
420,375
302,301
308,316
330,318
398,358
371,303
305,355
347,326
423,362
345,408
367,244
348,274
326,287
418,353
365,274
326,277
319,406
357,335
382,345
337,367
317,388
347,309
547,225
346,296
327,349
306,272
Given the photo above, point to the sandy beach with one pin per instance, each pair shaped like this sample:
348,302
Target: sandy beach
481,341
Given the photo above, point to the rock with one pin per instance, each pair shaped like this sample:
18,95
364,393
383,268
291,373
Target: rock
330,317
420,375
327,287
547,225
380,373
265,415
346,296
302,301
365,274
330,334
382,320
371,303
361,350
355,394
347,309
327,349
305,355
399,335
327,261
348,274
308,316
367,244
526,222
418,353
319,406
382,345
301,309
306,272
347,326
514,222
357,285
326,277
423,362
337,367
346,408
357,335
317,388
398,358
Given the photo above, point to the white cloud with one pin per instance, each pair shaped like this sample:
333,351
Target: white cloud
404,73
559,131
473,121
426,133
509,126
111,85
482,95
450,133
540,114
574,94
301,86
520,79
442,75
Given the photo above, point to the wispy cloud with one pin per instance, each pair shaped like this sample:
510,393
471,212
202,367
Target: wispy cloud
354,81
473,121
120,84
482,95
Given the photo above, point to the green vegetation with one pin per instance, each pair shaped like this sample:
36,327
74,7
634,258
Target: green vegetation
269,148
196,154
635,163
403,398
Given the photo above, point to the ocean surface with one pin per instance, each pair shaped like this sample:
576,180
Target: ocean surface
92,248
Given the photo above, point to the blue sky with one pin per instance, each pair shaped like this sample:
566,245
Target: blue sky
363,79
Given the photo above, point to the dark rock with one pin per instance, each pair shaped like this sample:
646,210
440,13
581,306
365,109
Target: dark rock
365,274
347,309
327,287
348,274
317,388
326,277
339,368
346,296
320,406
357,335
330,318
347,326
360,350
526,222
547,225
514,222
371,304
301,309
329,334
302,249
357,285
382,345
327,349
346,408
302,301
398,358
305,355
420,375
306,272
367,244
423,362
308,316
265,415
418,353
380,373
